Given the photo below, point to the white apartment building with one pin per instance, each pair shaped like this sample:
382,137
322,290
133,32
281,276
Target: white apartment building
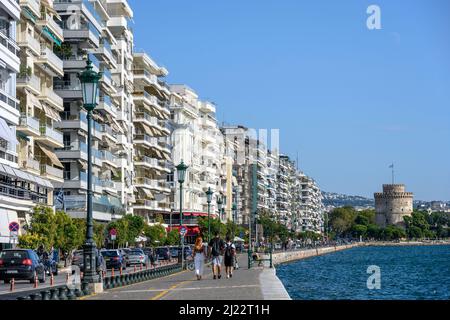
20,190
198,141
311,208
89,35
152,150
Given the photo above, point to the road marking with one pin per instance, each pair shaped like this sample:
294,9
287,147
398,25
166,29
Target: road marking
173,288
162,294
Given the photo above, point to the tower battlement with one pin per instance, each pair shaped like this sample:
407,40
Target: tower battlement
393,204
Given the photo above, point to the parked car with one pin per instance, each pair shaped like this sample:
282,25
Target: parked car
78,260
21,264
162,253
125,252
137,256
174,251
114,259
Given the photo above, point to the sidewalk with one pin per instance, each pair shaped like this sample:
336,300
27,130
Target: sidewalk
255,284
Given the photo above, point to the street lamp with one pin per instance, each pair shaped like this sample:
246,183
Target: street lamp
181,172
209,194
234,208
219,205
89,84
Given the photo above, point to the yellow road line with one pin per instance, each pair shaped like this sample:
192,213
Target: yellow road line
166,291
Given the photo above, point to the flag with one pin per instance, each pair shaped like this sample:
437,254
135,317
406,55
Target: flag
60,199
391,166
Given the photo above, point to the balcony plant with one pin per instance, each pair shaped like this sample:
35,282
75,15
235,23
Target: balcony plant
24,71
64,51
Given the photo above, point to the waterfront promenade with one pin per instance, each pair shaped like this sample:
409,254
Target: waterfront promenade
258,283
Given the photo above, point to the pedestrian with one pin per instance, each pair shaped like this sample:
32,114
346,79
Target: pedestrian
199,257
215,249
229,256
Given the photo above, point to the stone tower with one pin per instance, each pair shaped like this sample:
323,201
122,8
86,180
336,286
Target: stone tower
392,205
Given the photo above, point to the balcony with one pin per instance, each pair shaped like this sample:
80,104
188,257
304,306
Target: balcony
147,119
50,137
104,54
145,78
109,159
147,162
208,122
109,133
146,140
67,89
9,107
73,121
79,181
12,7
207,107
105,104
50,62
29,125
26,41
74,150
52,173
31,83
87,33
50,29
32,166
9,51
107,83
51,98
20,197
146,205
32,6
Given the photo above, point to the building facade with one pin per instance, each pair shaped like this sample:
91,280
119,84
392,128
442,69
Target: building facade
21,186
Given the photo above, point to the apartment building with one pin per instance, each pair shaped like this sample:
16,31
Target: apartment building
312,209
20,190
87,35
152,148
198,141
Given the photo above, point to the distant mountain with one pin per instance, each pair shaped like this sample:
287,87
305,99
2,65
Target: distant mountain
331,199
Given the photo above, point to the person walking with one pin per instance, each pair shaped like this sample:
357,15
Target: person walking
215,249
229,256
199,257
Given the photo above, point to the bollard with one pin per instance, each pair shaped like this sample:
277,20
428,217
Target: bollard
134,268
62,293
53,294
85,288
120,270
70,294
112,272
78,293
35,296
45,295
107,283
12,286
35,280
52,280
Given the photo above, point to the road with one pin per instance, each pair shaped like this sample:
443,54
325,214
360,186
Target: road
243,285
25,285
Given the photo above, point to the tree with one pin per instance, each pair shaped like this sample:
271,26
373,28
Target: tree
173,237
341,220
216,226
156,234
359,230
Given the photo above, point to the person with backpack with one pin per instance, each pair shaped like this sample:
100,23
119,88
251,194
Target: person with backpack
215,249
229,256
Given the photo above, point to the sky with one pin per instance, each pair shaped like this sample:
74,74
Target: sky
349,100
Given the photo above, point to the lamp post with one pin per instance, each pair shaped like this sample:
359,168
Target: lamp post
181,172
234,208
219,205
209,194
89,84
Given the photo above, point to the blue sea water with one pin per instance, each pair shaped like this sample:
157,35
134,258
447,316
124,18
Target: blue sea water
406,273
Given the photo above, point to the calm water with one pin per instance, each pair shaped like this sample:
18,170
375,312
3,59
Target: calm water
409,272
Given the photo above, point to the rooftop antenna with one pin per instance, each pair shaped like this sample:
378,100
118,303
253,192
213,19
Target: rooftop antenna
297,160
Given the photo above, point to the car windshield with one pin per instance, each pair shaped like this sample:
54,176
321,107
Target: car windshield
7,255
110,253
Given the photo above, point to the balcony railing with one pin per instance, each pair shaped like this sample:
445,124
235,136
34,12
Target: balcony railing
48,54
25,121
108,156
32,81
12,191
145,116
52,134
51,171
9,43
147,182
150,161
152,140
11,101
31,164
27,40
107,129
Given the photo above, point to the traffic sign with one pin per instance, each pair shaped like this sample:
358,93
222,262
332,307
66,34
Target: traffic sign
183,231
113,232
14,226
113,237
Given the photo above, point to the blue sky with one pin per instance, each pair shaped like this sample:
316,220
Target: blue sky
349,100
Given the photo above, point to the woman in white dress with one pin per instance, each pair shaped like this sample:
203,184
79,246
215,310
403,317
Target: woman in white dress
199,257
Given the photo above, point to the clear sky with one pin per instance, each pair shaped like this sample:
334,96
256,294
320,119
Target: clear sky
348,99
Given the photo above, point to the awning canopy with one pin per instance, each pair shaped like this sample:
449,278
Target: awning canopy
148,195
51,155
52,114
34,100
6,133
83,164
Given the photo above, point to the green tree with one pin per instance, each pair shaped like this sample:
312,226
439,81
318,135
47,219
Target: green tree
359,230
156,234
173,237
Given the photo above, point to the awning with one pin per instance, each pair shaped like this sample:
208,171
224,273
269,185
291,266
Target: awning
34,100
148,130
147,193
159,154
165,156
52,114
83,164
114,172
51,155
6,133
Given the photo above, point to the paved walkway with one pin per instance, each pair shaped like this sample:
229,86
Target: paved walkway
256,284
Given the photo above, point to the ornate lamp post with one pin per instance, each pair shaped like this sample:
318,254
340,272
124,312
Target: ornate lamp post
89,83
234,208
209,194
219,205
181,172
